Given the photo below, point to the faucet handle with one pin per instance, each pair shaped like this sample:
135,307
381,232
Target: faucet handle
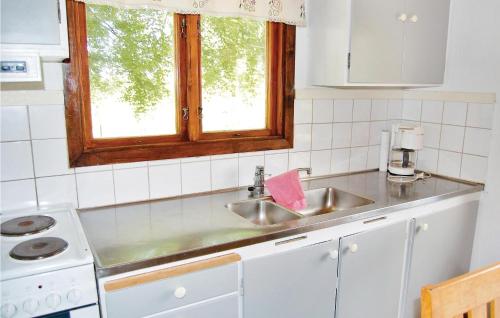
307,170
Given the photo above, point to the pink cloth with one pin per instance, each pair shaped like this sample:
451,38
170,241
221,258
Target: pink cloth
286,190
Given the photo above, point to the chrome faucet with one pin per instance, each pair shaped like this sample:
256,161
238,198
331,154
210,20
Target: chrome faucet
257,190
307,170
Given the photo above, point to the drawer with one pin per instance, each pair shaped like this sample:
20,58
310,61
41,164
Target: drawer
221,307
162,290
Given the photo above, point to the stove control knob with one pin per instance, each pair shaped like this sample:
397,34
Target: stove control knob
53,300
8,310
74,296
30,305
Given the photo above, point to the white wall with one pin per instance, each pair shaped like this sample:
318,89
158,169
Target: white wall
473,64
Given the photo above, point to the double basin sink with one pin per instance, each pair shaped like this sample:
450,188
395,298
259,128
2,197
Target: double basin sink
266,212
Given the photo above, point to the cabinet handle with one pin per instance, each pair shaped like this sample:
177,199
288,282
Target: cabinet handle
180,292
353,248
414,18
402,17
334,254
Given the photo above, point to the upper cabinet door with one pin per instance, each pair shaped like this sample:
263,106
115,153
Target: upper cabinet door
371,272
30,22
426,33
377,33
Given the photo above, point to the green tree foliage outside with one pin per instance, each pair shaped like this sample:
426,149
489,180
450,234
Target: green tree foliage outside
131,53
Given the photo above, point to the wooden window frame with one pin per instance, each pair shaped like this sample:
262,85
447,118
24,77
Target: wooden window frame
84,150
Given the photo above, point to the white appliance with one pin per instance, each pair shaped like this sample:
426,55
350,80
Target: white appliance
47,266
31,32
405,141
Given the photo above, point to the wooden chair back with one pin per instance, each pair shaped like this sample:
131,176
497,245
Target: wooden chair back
472,295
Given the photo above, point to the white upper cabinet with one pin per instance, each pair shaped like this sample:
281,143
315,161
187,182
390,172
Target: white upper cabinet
37,27
378,43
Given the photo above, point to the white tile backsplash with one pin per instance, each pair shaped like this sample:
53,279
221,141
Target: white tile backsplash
322,111
376,128
16,160
341,135
432,111
480,115
477,141
224,173
428,159
50,157
474,168
452,138
299,160
360,134
449,163
349,144
95,189
47,121
321,136
373,157
362,110
196,177
359,159
379,109
164,181
320,162
302,137
455,113
57,190
412,110
18,194
303,111
14,123
131,184
432,135
340,160
342,110
395,109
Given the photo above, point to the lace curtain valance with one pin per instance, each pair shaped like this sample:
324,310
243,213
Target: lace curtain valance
286,11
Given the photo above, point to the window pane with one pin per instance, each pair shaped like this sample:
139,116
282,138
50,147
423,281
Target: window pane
131,64
233,74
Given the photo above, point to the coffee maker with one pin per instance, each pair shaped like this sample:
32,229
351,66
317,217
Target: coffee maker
406,140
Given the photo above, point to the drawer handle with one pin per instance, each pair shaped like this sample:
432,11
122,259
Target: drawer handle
180,292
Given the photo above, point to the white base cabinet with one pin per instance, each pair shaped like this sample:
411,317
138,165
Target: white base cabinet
371,272
441,249
293,284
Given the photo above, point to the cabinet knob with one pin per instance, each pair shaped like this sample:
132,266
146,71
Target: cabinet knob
402,17
424,227
334,254
414,18
353,248
180,292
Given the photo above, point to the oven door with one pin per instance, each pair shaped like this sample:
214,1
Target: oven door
91,311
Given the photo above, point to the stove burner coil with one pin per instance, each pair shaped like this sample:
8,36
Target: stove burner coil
27,225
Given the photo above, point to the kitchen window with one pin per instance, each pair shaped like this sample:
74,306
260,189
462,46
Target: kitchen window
147,84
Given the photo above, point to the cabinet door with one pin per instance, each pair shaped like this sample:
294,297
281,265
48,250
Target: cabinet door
371,272
30,22
376,41
294,284
426,32
442,247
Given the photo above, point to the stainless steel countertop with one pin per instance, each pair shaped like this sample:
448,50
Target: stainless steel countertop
134,236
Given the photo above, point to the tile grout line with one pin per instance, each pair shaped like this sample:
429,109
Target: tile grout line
32,155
